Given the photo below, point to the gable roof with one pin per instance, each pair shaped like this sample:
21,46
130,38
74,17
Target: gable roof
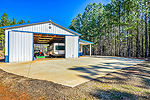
35,23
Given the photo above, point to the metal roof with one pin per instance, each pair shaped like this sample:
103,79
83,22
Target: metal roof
35,23
86,41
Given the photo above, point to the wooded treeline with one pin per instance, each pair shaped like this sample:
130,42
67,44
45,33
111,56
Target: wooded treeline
119,28
5,21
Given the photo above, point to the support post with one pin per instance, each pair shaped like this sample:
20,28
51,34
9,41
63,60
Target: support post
90,49
81,46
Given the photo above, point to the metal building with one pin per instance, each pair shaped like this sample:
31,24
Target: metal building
20,40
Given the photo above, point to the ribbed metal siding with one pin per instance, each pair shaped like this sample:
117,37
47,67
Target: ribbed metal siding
71,46
44,28
20,47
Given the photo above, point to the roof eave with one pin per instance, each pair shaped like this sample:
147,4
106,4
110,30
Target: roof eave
88,42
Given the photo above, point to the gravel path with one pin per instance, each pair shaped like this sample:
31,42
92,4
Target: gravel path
128,84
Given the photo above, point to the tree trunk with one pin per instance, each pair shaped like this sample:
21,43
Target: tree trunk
127,45
137,41
142,38
149,34
108,50
114,43
131,45
137,37
119,33
116,54
146,38
100,45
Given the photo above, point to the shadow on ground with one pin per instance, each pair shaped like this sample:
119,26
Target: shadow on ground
99,69
116,58
113,94
130,83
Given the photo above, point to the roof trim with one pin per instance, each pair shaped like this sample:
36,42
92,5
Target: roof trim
42,33
22,25
35,23
86,41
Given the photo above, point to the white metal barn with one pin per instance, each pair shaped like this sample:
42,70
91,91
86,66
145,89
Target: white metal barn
20,40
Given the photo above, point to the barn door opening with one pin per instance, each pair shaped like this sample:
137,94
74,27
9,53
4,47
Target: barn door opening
50,46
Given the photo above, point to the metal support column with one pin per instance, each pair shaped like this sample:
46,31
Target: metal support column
90,49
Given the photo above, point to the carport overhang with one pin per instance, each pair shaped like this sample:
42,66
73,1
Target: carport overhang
85,42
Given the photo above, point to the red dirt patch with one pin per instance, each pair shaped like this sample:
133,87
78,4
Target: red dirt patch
6,94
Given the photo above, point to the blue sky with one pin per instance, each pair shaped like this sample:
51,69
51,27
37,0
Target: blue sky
59,11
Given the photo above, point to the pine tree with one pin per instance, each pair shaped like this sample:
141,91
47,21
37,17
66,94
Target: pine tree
117,28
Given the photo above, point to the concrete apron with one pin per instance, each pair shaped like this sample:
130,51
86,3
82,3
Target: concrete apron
70,72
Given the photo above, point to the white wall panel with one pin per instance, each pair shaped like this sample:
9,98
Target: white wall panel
44,28
25,45
20,46
17,46
71,46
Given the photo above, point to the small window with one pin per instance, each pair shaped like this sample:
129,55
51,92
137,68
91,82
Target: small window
60,47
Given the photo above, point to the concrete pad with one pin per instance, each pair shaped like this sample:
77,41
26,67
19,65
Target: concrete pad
69,72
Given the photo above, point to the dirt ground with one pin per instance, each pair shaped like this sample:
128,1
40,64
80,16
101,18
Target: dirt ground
127,84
